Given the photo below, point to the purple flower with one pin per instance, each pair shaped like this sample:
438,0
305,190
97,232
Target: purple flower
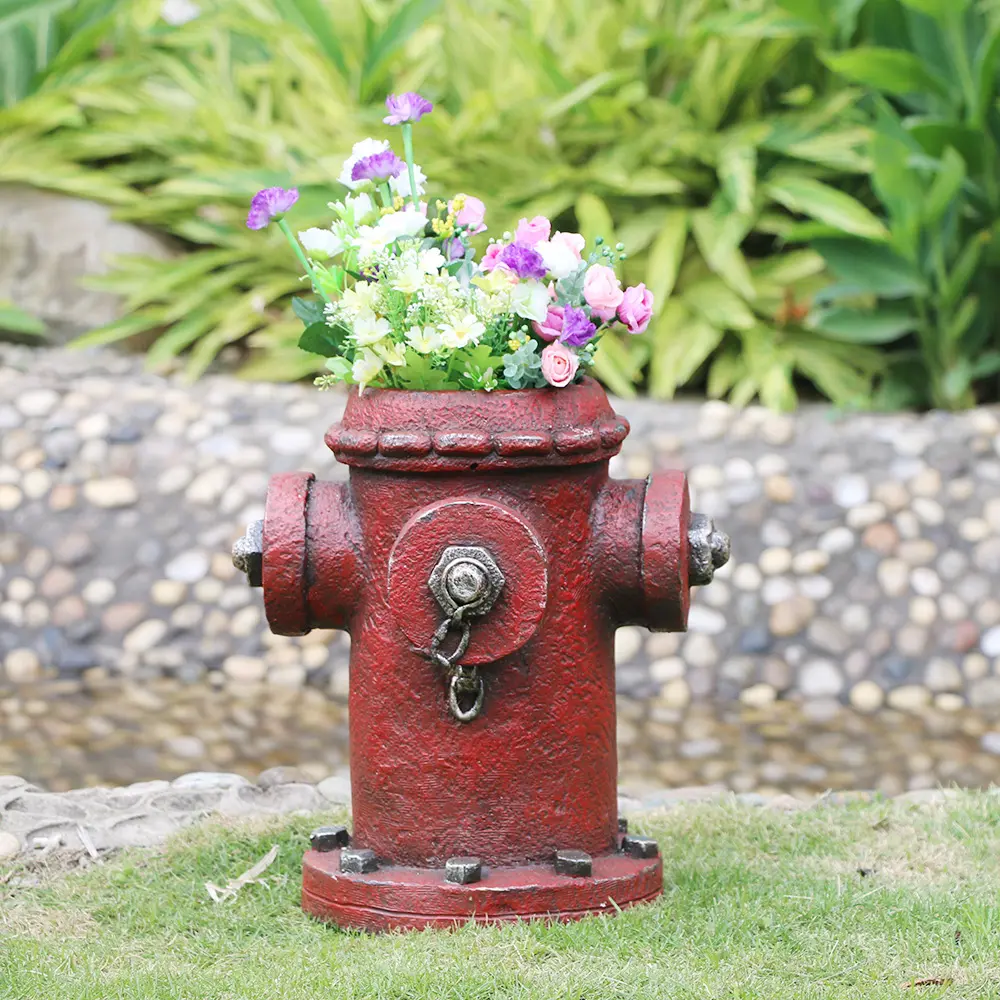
577,328
523,261
269,204
378,167
408,107
454,249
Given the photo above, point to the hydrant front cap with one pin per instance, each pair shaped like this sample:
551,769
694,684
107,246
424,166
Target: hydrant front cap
517,557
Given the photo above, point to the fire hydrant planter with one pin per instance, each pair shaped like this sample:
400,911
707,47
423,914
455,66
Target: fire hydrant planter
492,752
481,558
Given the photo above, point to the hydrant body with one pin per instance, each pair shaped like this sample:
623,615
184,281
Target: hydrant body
481,558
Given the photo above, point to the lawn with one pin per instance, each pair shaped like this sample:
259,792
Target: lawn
854,900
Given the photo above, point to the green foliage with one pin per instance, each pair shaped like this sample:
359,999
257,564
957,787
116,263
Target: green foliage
700,146
929,294
758,904
729,145
16,324
37,36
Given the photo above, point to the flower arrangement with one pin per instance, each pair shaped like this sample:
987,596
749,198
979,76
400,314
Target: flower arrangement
405,304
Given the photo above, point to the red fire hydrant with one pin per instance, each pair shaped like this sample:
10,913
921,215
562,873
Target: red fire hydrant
481,559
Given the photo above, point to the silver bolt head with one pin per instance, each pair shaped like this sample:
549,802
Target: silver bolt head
248,554
708,549
329,838
463,871
466,576
358,861
640,847
575,863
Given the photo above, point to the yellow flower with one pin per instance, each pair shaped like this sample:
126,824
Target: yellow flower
424,340
497,280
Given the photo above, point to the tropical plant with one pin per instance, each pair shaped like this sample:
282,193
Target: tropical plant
702,133
930,295
41,36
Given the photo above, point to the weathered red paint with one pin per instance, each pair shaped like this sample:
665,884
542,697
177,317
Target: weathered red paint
524,474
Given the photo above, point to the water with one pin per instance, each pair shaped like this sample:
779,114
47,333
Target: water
115,733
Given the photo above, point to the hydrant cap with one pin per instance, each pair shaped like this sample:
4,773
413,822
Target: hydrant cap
445,431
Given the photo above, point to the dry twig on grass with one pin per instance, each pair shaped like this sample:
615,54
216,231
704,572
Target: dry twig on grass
251,875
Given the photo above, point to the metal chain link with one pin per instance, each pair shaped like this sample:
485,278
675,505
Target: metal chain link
464,679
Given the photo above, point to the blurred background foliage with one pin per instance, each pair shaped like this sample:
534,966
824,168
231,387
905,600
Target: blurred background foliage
809,187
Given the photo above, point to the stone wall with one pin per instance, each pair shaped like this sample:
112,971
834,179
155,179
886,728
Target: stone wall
866,564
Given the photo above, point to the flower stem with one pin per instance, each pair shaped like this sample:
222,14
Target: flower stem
408,153
307,267
386,194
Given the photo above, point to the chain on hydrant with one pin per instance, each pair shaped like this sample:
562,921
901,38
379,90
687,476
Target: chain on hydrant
463,680
466,581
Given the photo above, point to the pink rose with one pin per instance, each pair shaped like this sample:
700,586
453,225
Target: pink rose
636,308
559,364
551,326
602,291
472,214
530,233
489,260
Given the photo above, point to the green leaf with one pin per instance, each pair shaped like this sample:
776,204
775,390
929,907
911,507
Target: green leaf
310,311
986,67
594,219
892,71
408,18
682,343
719,305
935,135
879,326
964,270
871,267
719,241
826,204
313,17
581,93
738,174
319,338
986,364
938,9
946,186
15,320
963,319
666,254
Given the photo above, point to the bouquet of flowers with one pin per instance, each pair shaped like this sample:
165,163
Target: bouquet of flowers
404,303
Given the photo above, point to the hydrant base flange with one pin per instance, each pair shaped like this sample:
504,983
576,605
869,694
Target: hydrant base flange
400,898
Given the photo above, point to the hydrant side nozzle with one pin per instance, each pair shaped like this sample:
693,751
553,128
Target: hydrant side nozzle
248,554
708,550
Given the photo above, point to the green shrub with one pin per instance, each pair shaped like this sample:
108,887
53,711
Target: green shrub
930,297
706,135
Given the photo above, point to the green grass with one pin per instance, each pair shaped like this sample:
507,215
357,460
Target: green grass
756,904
